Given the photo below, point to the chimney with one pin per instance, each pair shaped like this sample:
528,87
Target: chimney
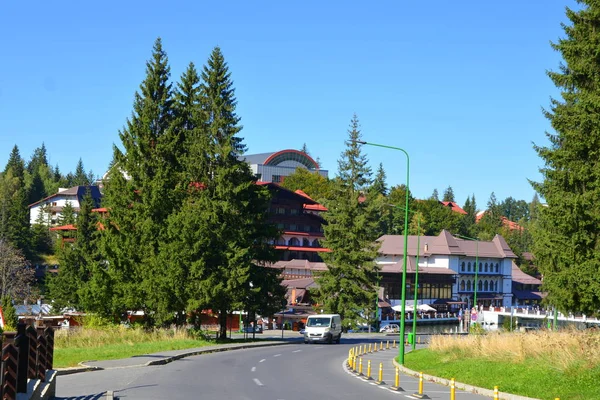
426,247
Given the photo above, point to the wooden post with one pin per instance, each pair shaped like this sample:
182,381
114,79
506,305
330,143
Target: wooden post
22,343
41,352
49,332
9,371
32,367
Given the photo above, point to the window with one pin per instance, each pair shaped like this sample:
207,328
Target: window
479,286
294,242
316,243
469,266
281,241
486,267
258,176
277,179
497,270
280,210
305,242
280,226
468,286
462,285
462,267
293,227
486,285
480,265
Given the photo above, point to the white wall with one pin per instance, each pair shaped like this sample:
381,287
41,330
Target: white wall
60,200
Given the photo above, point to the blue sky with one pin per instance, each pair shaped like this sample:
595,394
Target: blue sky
459,85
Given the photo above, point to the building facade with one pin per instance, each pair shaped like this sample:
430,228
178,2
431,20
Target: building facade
51,207
274,167
451,270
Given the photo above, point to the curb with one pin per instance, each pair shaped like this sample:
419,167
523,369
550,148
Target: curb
89,368
462,386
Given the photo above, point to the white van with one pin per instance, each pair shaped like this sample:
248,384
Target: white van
323,328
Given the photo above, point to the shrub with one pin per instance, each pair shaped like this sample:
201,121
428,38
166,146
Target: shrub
10,314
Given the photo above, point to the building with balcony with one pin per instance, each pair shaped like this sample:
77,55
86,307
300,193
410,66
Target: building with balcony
274,167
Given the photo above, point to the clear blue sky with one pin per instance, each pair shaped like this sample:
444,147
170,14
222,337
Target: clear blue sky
459,85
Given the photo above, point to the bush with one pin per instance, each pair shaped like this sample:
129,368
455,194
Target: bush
477,329
10,314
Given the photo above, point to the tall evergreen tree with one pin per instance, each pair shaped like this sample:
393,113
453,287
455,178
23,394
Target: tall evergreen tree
566,238
67,215
140,191
81,178
38,158
14,214
304,149
435,195
379,184
448,194
347,287
15,162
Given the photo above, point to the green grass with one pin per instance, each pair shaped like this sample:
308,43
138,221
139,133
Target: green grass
72,356
529,377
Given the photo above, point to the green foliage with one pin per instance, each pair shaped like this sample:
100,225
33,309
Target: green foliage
312,183
448,194
10,314
379,185
566,237
347,287
477,329
437,217
67,215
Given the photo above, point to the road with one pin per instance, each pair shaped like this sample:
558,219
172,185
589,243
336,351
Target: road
290,372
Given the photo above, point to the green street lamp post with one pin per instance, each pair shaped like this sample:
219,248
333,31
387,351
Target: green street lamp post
403,291
416,284
476,267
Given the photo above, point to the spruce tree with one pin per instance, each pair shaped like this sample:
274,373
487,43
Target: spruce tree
67,215
141,191
10,314
81,178
379,184
304,149
566,244
448,194
347,287
435,195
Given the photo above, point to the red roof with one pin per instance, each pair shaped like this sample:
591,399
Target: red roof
69,227
100,210
513,226
454,206
315,207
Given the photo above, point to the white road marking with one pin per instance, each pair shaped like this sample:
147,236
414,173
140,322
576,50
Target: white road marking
277,355
259,383
253,369
296,351
263,360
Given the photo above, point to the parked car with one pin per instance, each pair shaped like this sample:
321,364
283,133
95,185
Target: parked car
362,329
251,329
390,328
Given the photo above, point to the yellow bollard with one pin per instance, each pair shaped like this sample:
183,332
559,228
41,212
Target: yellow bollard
380,376
418,339
354,363
387,345
380,346
397,381
368,376
360,367
496,397
375,348
370,349
452,390
420,394
394,346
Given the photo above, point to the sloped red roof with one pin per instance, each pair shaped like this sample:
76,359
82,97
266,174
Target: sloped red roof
312,207
454,206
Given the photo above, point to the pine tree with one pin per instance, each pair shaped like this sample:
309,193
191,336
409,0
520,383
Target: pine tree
347,287
67,215
490,223
304,149
81,178
448,194
15,163
141,204
14,214
435,195
566,238
232,227
379,184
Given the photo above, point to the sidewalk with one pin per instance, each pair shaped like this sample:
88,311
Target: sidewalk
163,357
433,387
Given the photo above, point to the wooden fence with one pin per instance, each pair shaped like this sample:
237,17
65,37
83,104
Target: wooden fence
26,354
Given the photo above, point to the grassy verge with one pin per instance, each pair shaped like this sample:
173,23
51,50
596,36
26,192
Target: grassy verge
542,365
114,342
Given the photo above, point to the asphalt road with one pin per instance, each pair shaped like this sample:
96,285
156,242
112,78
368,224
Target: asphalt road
290,372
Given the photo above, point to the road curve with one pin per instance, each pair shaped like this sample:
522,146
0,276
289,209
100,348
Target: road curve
292,372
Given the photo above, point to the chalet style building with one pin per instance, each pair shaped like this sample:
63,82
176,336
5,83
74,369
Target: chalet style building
447,267
51,207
